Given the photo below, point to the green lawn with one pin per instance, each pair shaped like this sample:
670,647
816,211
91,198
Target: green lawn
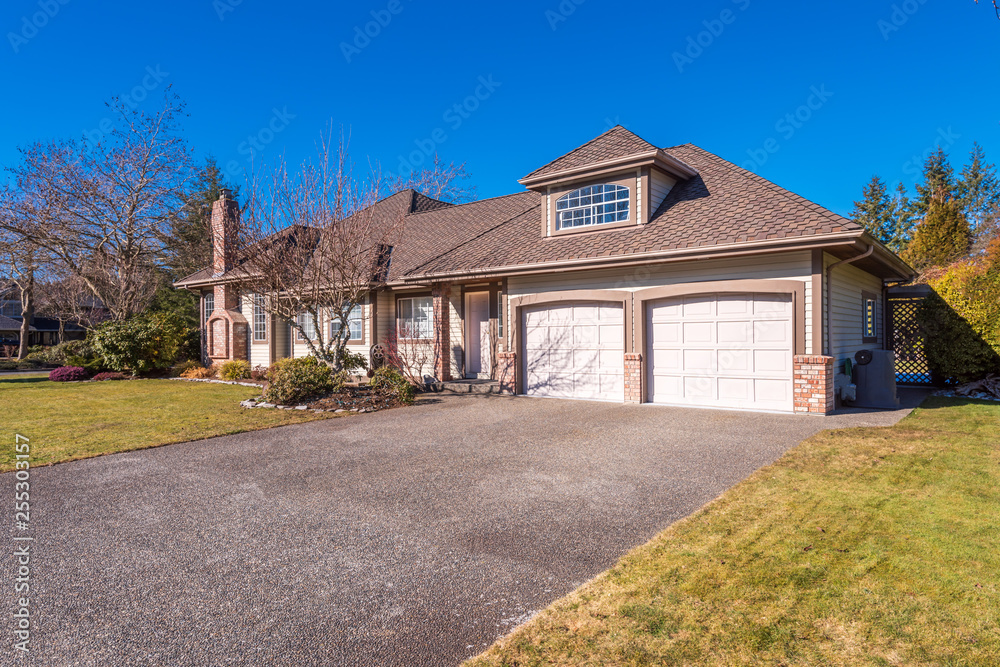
859,547
66,421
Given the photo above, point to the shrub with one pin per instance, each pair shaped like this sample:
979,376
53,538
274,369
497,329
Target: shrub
961,320
68,374
258,374
105,377
353,362
390,383
235,369
296,380
200,372
179,370
146,342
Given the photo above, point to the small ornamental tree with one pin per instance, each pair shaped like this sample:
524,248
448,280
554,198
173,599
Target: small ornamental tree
314,245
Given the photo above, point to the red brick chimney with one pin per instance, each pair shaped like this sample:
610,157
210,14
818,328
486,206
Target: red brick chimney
225,213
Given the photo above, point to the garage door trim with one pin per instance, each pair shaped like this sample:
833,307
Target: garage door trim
796,288
519,303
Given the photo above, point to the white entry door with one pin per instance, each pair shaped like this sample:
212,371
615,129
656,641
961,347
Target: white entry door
721,350
477,335
575,351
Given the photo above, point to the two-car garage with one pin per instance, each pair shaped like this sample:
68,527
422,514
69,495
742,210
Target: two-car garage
723,349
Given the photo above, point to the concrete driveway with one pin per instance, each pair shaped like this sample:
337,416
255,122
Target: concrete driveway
409,537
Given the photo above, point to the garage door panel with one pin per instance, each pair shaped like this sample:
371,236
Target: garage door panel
698,305
772,331
772,361
734,361
575,351
735,332
735,389
698,332
721,350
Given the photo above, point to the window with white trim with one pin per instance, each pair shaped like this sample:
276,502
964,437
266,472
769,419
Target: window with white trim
307,322
869,324
259,318
593,205
416,317
355,324
209,305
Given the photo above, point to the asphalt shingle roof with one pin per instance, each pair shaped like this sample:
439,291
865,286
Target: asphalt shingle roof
615,143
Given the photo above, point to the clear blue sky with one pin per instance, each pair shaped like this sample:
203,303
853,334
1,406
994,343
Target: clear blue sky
561,74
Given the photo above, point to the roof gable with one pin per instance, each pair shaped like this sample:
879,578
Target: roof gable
614,144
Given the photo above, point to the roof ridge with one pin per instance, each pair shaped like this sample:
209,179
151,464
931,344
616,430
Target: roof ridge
588,143
470,203
771,185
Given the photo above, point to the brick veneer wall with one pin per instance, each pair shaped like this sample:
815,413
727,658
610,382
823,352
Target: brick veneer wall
442,332
506,368
633,377
813,382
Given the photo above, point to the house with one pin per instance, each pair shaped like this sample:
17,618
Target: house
42,330
624,272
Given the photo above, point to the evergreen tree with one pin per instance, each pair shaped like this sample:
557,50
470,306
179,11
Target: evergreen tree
978,188
905,220
938,178
188,241
875,212
942,237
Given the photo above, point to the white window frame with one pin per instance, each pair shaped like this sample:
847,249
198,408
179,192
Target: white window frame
209,299
304,333
259,318
592,206
355,324
422,326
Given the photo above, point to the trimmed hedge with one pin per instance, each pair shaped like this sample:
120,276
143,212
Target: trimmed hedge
235,369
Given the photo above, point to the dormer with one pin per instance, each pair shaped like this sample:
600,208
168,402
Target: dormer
616,180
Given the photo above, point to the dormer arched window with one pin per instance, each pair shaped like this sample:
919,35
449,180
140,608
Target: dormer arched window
593,205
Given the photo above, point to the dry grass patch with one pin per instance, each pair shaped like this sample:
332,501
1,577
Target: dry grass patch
859,547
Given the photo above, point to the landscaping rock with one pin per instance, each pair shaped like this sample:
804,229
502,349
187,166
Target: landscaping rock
301,407
266,405
339,411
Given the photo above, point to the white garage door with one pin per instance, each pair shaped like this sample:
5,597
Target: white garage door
575,351
721,350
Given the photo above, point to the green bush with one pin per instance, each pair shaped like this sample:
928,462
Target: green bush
146,342
296,380
961,320
352,363
235,369
178,370
390,383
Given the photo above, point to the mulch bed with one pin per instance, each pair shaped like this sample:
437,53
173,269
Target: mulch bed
354,398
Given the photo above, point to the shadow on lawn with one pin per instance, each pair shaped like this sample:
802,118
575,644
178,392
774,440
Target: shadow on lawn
14,379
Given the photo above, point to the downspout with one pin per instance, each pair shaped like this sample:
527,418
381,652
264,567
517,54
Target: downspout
828,341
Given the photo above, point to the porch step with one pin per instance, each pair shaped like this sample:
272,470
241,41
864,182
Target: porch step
465,387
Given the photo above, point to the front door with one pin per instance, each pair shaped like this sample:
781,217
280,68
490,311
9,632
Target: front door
477,335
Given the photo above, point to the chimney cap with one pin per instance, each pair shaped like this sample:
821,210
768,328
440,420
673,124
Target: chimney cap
225,193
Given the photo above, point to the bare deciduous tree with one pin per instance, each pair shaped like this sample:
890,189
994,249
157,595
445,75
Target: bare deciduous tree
313,245
65,298
101,210
20,262
996,7
440,181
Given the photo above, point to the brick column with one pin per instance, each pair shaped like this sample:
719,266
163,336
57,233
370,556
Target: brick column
506,370
813,382
442,332
633,377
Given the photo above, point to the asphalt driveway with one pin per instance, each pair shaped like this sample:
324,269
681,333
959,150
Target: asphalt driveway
409,537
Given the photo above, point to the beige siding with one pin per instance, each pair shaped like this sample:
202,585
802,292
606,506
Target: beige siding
846,312
786,266
386,314
659,186
301,349
457,333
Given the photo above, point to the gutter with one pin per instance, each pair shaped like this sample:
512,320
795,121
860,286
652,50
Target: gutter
829,295
712,252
